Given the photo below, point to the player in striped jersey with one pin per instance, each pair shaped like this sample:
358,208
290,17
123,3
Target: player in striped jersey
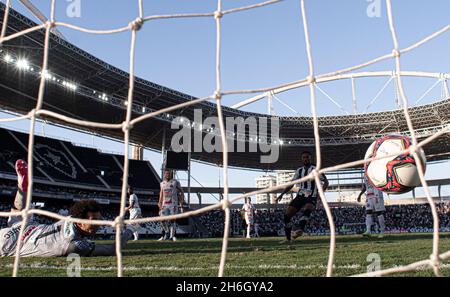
306,198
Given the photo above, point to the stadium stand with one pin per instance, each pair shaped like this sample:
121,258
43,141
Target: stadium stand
99,164
65,172
61,161
141,174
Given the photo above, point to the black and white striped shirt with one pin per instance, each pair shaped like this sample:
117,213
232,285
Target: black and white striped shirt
307,186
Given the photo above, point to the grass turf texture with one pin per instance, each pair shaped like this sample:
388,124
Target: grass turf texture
307,256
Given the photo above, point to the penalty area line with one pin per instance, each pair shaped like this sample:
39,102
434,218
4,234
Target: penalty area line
184,268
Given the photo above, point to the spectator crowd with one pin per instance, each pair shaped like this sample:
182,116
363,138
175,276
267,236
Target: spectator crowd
348,220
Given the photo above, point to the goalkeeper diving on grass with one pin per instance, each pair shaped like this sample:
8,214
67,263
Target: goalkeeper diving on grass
58,239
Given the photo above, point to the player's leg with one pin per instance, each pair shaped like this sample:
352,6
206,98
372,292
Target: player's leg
370,207
165,224
369,222
163,234
18,205
291,211
133,216
381,222
21,194
22,184
248,221
173,224
244,227
173,230
308,209
163,231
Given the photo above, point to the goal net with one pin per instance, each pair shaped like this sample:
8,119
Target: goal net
433,261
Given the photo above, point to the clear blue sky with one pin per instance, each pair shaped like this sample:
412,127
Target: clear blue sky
262,48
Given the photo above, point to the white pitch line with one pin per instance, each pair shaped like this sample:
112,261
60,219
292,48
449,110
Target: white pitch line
178,268
183,268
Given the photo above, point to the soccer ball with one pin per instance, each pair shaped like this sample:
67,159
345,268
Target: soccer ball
397,174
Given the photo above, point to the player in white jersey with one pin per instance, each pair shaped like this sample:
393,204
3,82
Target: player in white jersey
58,239
134,209
249,215
171,197
374,207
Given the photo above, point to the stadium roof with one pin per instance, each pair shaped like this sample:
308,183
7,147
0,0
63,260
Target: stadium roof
84,87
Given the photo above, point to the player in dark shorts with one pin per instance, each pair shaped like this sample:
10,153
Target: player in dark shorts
306,198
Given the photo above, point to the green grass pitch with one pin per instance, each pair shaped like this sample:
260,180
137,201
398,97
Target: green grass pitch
307,256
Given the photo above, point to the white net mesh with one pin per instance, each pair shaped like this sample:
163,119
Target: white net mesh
433,262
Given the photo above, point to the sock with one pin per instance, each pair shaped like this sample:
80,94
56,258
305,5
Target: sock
382,223
368,223
248,230
173,229
20,200
165,228
304,219
287,227
136,235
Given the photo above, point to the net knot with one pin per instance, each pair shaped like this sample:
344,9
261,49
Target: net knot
218,14
50,24
126,126
311,79
413,149
226,204
217,95
118,221
315,173
395,53
24,213
435,261
32,113
137,24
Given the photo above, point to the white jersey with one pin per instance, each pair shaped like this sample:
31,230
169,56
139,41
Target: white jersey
58,239
374,197
40,240
170,192
248,212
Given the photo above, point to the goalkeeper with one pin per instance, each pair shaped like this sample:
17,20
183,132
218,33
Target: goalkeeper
58,239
